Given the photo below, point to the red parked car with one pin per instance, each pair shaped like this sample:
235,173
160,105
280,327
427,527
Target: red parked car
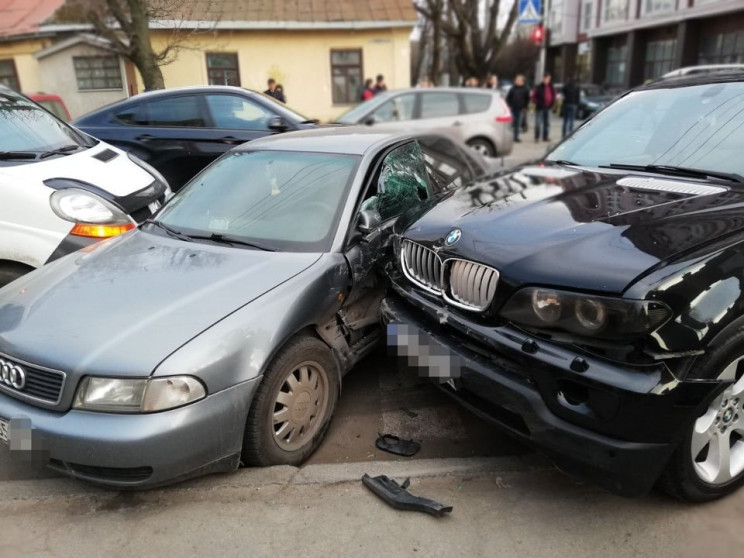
53,103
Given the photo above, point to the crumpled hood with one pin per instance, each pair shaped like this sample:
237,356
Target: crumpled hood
117,175
123,307
557,226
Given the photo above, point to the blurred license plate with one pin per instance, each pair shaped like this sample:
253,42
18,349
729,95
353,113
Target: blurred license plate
4,431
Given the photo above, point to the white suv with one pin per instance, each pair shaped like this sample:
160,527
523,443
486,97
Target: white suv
61,190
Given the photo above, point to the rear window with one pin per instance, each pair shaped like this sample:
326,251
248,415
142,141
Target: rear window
476,103
184,111
435,105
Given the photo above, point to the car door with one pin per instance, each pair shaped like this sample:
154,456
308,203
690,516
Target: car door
235,119
400,108
170,133
397,184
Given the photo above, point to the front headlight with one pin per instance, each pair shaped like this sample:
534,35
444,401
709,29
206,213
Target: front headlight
141,395
585,315
93,216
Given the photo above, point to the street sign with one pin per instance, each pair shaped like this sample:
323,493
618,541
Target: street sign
529,11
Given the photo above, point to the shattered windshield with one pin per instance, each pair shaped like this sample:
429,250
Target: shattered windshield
289,201
698,127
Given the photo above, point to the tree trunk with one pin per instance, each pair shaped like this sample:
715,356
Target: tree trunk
141,52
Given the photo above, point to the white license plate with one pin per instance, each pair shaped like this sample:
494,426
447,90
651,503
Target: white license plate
4,431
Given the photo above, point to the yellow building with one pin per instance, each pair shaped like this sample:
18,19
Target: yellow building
320,51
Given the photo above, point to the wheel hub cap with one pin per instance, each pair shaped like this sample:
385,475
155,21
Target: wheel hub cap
717,443
300,406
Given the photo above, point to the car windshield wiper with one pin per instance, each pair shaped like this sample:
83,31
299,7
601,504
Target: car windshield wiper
7,155
61,151
171,232
678,171
227,239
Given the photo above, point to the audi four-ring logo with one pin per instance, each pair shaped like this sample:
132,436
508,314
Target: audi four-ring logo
12,374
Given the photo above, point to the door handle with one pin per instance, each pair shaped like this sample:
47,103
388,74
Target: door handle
457,123
230,140
145,137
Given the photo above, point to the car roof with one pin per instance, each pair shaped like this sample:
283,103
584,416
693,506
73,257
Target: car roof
696,79
436,89
192,89
347,140
704,68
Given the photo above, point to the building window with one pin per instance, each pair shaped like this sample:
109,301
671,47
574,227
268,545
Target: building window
615,10
97,72
587,13
616,60
346,75
659,58
8,74
556,18
656,6
722,48
222,68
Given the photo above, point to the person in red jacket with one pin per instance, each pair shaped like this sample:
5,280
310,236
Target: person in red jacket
367,92
543,97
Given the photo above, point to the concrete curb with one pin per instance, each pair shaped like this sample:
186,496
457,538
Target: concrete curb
321,474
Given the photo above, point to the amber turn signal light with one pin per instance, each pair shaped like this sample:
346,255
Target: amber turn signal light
100,231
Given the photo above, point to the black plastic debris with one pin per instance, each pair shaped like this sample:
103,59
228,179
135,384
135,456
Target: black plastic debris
393,444
396,495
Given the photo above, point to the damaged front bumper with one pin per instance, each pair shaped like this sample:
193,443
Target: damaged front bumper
614,426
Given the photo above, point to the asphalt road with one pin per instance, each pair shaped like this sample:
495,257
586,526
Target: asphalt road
378,396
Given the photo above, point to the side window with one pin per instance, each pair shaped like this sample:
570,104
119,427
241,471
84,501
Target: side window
397,108
231,111
176,111
436,105
401,182
475,103
445,164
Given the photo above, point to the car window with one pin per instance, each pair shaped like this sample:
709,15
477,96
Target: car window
699,127
231,111
55,108
445,164
397,108
26,127
401,182
287,200
435,105
475,102
182,111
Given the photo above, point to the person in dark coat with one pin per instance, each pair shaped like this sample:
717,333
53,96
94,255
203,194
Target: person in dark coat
544,97
380,85
272,91
518,100
571,99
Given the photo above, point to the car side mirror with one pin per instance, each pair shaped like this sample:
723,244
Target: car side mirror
277,123
370,120
368,220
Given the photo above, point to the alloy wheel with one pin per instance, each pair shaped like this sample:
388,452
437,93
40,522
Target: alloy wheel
717,444
300,406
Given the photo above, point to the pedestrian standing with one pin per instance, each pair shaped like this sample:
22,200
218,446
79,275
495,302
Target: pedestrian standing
571,99
543,96
273,92
492,82
367,92
518,98
380,85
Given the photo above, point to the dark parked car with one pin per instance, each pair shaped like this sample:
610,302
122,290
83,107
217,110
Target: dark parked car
593,99
599,313
180,131
219,331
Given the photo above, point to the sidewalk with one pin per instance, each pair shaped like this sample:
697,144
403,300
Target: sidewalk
502,507
528,149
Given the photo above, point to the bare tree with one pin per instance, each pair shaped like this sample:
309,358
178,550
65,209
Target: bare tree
476,43
126,25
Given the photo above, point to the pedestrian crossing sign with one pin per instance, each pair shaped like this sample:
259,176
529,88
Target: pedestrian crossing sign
529,11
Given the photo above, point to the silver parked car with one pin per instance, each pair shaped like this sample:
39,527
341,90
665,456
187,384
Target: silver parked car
218,331
478,117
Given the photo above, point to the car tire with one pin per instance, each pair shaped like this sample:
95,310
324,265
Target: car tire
11,271
282,428
482,146
716,436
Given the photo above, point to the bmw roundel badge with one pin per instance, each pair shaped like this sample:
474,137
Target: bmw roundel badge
453,236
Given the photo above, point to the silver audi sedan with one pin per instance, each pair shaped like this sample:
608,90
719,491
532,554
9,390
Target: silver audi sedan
218,332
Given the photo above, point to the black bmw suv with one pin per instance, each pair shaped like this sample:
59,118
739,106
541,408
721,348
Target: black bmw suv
592,303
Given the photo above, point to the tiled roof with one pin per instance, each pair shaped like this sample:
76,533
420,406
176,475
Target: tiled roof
21,17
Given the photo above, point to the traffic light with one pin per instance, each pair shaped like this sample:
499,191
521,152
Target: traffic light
538,34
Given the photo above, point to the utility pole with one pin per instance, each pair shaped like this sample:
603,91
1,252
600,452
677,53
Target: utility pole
540,67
